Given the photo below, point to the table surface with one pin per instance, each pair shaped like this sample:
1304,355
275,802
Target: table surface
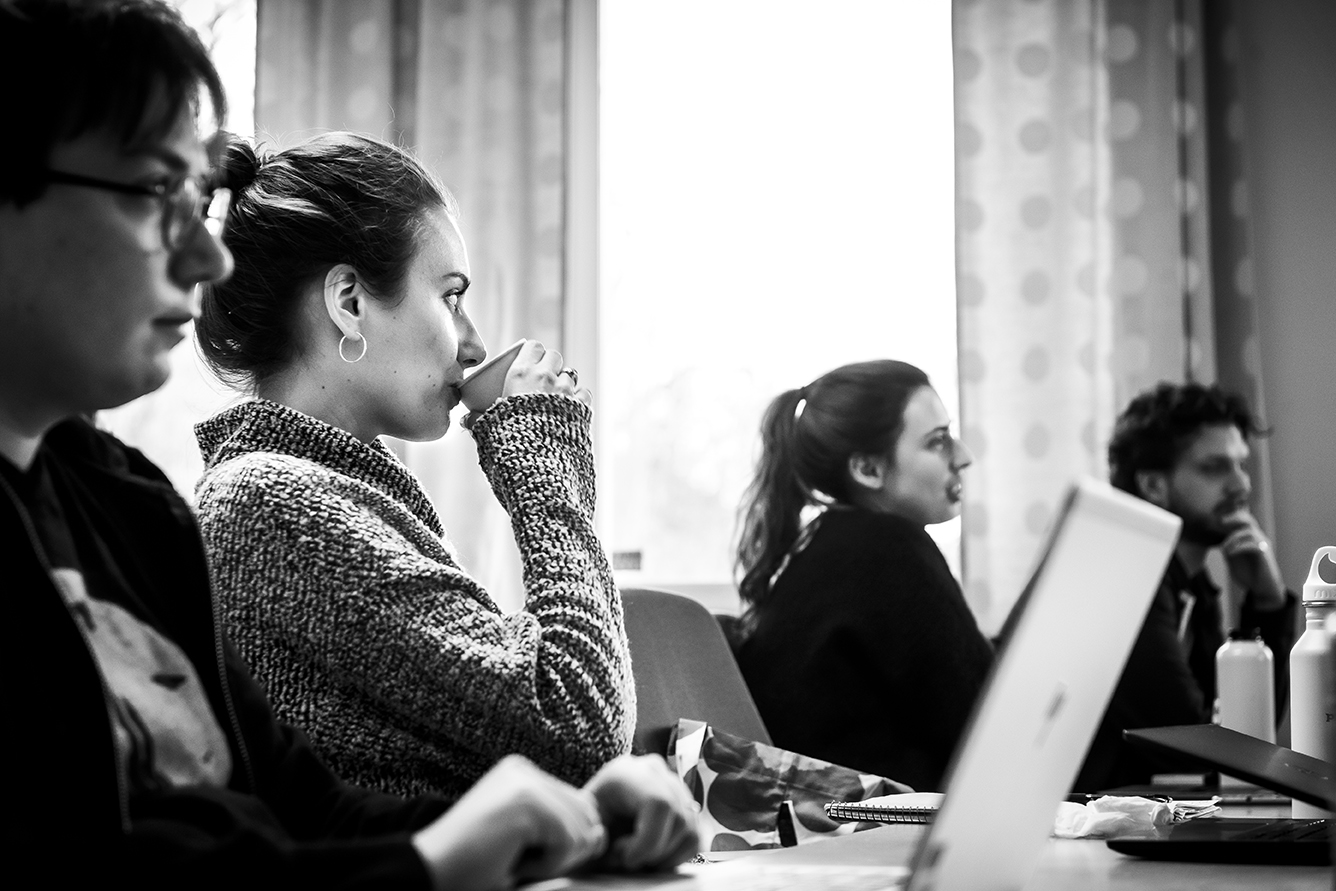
1084,864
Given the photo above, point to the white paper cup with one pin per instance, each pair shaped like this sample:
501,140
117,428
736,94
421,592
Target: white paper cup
483,385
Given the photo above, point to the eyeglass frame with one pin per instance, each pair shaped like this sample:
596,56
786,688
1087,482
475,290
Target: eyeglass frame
185,202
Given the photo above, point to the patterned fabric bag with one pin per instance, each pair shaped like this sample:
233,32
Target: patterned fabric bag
757,796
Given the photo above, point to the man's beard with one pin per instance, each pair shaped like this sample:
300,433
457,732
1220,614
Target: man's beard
1199,531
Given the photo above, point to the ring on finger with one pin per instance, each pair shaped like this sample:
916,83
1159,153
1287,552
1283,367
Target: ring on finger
575,375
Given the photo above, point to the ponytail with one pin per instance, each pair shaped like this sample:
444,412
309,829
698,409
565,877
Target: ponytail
807,438
773,503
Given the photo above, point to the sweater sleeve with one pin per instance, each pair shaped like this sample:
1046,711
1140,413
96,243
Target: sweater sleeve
538,457
322,576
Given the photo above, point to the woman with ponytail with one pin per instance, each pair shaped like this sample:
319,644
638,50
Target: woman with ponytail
856,640
346,320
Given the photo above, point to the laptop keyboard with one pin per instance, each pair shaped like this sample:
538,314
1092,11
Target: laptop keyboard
1287,830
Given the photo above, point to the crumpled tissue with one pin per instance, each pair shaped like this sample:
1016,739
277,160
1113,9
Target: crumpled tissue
1115,815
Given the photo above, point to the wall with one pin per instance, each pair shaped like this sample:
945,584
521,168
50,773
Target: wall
1288,66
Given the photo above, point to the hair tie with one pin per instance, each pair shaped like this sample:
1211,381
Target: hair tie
801,404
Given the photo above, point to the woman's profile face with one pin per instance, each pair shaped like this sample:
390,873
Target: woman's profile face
419,345
924,484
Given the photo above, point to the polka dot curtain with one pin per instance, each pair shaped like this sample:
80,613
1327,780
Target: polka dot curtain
1088,252
477,89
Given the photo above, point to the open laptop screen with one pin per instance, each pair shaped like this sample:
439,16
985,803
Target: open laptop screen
1063,650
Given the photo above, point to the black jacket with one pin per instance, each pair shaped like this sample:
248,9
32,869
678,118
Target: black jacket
1161,685
283,821
865,653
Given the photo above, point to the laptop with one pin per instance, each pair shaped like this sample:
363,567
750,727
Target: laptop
1240,840
1064,646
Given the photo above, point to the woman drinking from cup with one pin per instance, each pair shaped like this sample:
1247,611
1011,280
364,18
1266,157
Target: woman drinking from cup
346,320
856,641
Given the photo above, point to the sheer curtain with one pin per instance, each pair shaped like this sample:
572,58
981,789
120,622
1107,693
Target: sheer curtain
1102,246
477,89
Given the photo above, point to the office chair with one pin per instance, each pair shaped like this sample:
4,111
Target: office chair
683,669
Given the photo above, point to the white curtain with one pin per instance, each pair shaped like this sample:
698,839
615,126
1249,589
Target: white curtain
1097,252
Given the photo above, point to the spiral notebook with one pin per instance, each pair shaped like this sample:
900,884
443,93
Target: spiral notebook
903,807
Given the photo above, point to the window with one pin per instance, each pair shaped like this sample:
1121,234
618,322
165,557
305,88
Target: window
776,199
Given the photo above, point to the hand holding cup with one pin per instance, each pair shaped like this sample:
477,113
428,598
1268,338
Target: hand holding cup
486,383
524,367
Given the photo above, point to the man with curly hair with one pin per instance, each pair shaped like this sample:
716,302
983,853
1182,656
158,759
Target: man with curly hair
1185,448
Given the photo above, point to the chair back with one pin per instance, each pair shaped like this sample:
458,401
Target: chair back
683,668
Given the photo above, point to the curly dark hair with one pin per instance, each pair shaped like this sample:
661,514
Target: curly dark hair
1158,425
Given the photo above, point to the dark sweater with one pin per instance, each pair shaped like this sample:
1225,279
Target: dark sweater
1167,682
283,821
866,654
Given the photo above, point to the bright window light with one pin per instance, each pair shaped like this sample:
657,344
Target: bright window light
776,187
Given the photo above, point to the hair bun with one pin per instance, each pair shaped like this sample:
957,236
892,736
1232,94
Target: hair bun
239,165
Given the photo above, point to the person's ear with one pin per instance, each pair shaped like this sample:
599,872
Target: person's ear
1153,486
345,299
868,471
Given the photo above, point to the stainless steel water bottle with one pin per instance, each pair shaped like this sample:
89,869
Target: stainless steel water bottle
1245,684
1310,681
1245,690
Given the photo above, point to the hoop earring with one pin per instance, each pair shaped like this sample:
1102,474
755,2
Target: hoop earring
343,339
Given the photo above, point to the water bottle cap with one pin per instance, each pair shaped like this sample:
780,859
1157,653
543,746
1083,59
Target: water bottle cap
1241,634
1317,589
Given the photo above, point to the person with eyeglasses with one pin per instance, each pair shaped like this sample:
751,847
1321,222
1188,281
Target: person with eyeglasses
855,640
184,201
140,750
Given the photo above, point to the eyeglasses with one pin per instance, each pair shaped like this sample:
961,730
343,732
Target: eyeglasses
183,203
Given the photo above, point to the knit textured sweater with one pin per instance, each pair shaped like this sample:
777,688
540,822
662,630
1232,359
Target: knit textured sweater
337,585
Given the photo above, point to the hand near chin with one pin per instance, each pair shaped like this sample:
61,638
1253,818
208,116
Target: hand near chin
649,814
1252,561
